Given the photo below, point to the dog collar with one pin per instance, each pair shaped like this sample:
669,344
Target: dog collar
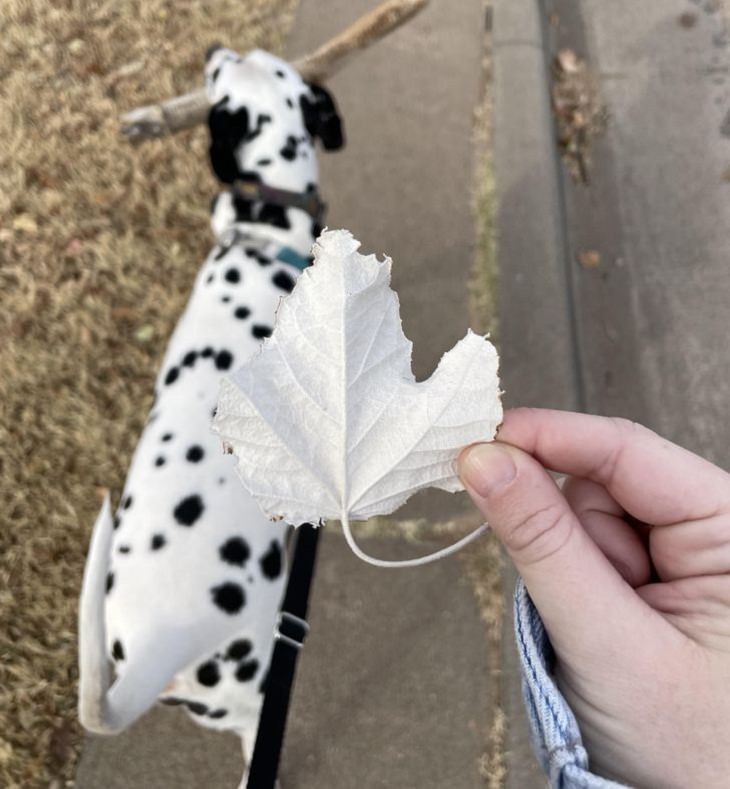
257,190
293,258
271,249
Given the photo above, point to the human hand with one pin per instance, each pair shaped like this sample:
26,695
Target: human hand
629,567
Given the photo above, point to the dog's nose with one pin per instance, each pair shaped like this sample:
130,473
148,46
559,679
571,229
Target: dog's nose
211,49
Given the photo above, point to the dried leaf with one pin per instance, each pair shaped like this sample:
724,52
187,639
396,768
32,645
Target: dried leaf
590,258
327,421
568,61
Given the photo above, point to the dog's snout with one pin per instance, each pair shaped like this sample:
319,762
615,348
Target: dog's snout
212,49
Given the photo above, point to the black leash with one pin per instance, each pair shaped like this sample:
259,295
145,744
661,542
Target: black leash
289,637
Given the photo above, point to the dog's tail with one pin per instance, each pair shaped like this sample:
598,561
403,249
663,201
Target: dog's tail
94,671
103,710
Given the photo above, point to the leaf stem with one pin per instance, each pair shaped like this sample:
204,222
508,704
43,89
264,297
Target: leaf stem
419,560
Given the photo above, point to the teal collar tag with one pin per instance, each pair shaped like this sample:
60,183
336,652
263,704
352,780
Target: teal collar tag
288,255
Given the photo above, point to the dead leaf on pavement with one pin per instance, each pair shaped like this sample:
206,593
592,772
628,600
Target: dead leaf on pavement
590,258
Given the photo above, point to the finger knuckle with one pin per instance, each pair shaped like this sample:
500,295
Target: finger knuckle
541,534
627,428
626,433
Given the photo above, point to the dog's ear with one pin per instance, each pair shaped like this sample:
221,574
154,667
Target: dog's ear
227,131
321,117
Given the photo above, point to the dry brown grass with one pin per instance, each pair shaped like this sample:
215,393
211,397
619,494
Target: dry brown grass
99,244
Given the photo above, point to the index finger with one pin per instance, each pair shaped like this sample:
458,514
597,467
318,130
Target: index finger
653,479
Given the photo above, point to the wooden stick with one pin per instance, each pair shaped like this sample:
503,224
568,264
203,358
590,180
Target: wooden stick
332,55
167,117
184,112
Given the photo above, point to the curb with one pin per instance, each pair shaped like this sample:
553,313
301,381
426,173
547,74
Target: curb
539,356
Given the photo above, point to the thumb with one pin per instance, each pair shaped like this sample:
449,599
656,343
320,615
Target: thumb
573,585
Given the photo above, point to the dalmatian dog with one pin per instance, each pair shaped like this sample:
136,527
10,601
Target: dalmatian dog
183,584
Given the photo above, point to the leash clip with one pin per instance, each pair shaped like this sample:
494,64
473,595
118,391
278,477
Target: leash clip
297,630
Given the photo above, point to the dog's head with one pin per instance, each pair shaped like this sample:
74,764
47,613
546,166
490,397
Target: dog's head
265,118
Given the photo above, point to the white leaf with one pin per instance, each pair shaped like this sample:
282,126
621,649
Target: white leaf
327,421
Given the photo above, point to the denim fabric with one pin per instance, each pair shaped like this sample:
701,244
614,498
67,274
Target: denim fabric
553,729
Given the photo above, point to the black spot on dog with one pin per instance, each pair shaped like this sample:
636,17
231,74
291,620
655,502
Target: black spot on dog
247,671
289,151
244,209
229,597
209,279
290,104
283,280
259,331
235,551
171,701
221,480
158,541
159,461
279,73
207,352
167,437
195,453
215,74
109,582
188,510
225,299
117,650
196,707
252,134
321,117
227,131
171,376
233,275
208,674
242,313
221,253
124,549
214,411
270,562
223,360
217,714
189,358
263,162
274,215
116,521
263,683
252,252
127,502
239,649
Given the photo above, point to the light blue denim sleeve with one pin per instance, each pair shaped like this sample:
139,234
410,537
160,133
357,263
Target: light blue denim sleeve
553,729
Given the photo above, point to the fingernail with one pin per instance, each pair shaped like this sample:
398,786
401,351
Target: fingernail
486,468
